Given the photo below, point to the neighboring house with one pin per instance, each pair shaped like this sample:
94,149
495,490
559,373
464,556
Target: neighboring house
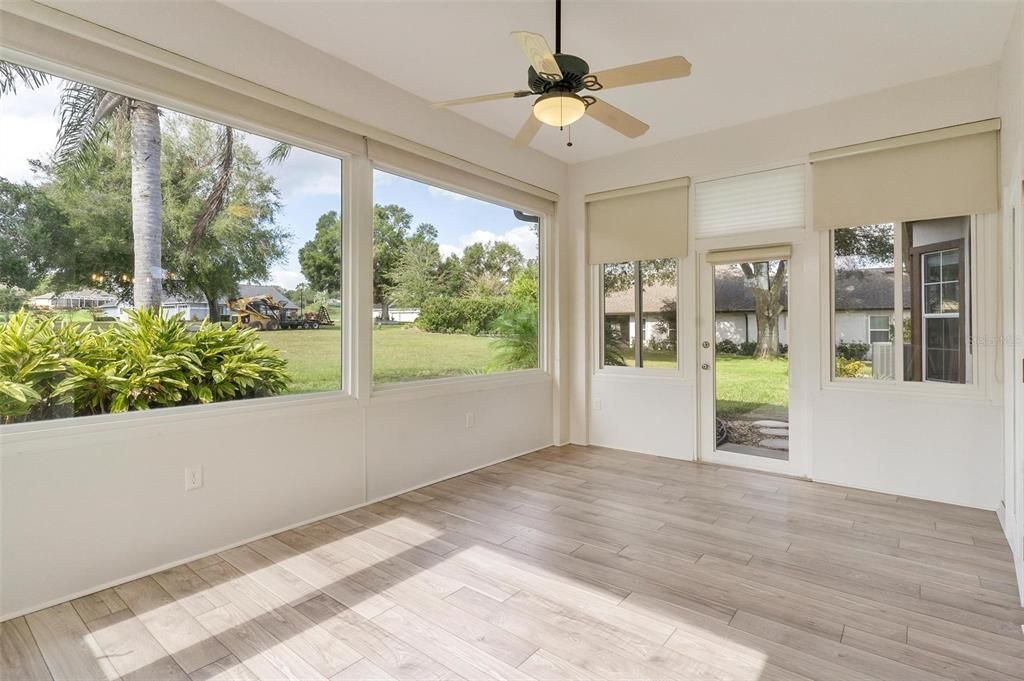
194,308
81,299
659,313
398,314
864,312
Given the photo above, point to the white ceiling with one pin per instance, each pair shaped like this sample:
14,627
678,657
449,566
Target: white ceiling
750,60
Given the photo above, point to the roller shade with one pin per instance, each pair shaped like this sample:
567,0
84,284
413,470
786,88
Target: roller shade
639,223
754,202
934,174
474,183
738,255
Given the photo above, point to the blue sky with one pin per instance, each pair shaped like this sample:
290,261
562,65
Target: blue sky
309,183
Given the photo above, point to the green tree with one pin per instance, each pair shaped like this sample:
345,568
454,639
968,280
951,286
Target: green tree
85,116
490,267
320,258
213,250
33,235
420,272
391,225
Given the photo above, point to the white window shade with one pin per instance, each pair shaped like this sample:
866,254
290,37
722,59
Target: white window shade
934,174
649,222
772,199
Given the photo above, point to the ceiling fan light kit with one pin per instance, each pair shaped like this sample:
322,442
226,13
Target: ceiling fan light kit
559,109
558,78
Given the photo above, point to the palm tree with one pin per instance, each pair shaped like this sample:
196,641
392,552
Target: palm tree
84,110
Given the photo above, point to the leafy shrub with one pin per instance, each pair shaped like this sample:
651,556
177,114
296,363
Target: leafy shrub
849,368
852,351
474,316
747,348
727,347
50,369
615,348
516,344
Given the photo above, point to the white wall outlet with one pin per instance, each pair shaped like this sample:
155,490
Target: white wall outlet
470,420
193,478
598,405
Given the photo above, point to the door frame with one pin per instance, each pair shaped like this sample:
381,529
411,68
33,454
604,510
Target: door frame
801,328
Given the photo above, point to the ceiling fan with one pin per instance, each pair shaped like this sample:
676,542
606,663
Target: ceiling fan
559,78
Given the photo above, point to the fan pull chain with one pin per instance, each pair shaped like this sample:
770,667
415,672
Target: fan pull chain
569,143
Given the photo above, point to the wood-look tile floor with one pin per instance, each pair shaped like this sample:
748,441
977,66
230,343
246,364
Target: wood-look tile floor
569,563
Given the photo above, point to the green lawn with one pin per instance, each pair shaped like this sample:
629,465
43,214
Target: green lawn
661,359
399,353
745,385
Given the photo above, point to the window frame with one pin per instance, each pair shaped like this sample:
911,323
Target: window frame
979,255
919,293
443,384
871,329
344,394
142,71
597,284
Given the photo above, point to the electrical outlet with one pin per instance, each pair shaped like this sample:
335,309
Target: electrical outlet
193,478
598,405
470,420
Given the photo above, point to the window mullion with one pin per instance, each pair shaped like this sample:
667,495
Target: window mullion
898,321
638,335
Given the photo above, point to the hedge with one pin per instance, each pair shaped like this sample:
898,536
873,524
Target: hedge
474,316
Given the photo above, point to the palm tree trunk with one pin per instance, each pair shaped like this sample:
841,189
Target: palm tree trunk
147,205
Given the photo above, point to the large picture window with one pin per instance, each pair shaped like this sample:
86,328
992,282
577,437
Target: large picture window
149,258
927,325
456,284
639,304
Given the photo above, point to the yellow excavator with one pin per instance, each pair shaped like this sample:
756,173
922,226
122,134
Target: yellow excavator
263,313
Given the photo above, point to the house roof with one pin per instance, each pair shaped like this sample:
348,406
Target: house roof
250,290
865,289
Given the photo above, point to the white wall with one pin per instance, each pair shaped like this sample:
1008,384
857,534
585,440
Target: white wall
898,449
90,502
1011,108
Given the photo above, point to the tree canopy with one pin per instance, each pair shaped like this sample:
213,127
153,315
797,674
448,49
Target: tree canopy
74,229
320,258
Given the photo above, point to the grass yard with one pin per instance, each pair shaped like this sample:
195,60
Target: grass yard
744,385
399,353
660,359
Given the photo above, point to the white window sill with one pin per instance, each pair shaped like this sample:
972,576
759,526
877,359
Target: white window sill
431,387
927,391
106,422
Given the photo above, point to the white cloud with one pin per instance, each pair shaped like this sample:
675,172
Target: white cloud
444,193
522,237
303,172
286,278
29,128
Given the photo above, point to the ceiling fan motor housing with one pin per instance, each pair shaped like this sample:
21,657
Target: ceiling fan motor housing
574,70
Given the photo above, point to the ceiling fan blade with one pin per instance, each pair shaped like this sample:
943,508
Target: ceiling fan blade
644,72
617,119
536,49
481,98
528,131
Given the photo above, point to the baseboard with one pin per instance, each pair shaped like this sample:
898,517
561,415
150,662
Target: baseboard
166,566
